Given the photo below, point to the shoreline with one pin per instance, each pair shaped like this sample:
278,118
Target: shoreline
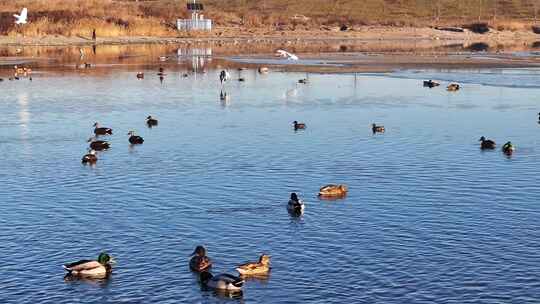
367,49
366,34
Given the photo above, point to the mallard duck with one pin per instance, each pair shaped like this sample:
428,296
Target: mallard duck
263,70
377,129
241,79
90,268
134,139
333,190
98,145
18,70
295,205
140,75
223,281
101,131
453,87
150,121
299,125
430,84
255,268
508,148
200,262
486,143
303,81
224,76
89,158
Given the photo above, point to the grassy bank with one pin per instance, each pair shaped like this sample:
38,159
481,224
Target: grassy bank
157,18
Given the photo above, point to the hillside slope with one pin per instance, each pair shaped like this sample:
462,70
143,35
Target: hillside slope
156,18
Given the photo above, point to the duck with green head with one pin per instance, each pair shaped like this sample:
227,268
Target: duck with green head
91,268
199,261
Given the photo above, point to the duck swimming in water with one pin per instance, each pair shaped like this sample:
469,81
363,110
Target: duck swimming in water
151,122
299,125
134,139
90,158
223,281
333,190
200,262
91,268
508,148
453,87
377,129
486,143
98,145
430,84
255,268
101,131
140,75
295,205
224,76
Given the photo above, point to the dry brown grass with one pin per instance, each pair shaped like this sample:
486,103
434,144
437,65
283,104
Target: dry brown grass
156,18
511,25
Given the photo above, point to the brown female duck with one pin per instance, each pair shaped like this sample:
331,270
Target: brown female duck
90,158
101,131
134,139
333,190
486,144
255,268
98,145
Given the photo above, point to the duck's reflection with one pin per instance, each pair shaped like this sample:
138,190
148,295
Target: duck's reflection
332,197
224,294
23,114
224,98
99,282
258,278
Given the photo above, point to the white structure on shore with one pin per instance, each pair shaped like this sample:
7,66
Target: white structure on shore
197,21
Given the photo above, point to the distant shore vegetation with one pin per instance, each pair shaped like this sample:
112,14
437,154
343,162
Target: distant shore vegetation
158,18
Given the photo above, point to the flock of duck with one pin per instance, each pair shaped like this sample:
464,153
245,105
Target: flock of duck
485,144
200,263
101,145
20,72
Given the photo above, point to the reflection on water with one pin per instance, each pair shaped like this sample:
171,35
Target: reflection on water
23,114
429,218
101,282
198,56
478,47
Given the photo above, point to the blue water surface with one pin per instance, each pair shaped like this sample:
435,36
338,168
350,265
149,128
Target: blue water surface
429,218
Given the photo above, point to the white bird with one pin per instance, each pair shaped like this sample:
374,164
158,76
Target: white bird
21,19
285,54
224,76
